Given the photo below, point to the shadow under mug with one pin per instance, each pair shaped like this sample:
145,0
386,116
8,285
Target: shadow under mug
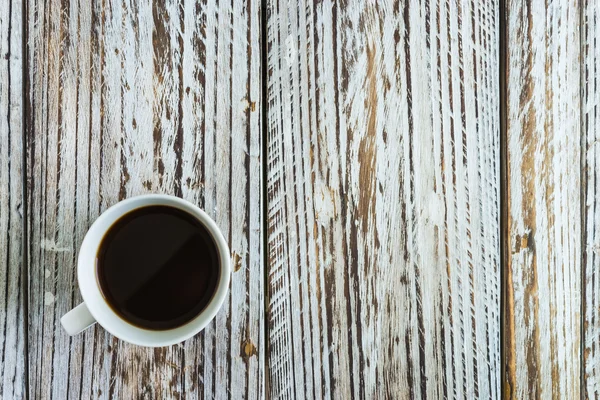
95,308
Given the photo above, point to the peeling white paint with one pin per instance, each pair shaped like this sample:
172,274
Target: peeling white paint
544,187
383,200
590,101
48,298
50,245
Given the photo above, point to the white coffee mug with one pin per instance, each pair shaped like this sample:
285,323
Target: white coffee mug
96,309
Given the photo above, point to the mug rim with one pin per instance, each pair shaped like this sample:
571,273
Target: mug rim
103,312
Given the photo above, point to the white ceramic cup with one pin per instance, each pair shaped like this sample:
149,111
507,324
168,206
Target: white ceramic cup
96,309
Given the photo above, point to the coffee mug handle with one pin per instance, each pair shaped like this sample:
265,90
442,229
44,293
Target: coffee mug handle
77,320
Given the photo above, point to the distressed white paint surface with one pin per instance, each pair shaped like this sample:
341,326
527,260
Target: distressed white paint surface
543,300
590,114
12,299
130,97
49,245
48,299
383,199
383,178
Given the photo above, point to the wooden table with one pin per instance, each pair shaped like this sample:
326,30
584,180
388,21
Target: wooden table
409,191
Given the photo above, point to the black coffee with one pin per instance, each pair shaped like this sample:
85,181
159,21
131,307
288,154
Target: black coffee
158,267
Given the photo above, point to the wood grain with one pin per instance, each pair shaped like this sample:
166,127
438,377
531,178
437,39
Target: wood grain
543,292
590,123
383,199
12,297
126,98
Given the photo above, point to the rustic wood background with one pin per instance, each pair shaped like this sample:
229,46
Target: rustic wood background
590,179
13,355
545,209
125,98
383,200
351,153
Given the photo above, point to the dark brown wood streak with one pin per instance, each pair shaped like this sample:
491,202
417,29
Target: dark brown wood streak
12,297
129,98
383,201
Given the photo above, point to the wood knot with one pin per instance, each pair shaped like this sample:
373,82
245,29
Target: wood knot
237,262
523,242
248,349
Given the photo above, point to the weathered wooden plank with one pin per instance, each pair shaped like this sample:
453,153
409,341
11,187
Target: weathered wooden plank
126,98
590,123
543,292
12,297
383,199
